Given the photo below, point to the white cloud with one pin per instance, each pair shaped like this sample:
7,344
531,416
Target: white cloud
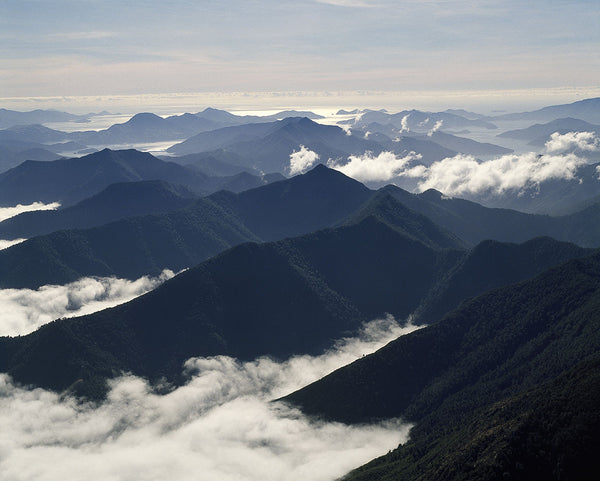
302,160
404,124
220,426
370,168
5,244
463,174
8,212
585,141
24,310
436,127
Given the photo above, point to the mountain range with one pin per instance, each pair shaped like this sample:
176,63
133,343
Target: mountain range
501,379
501,388
70,180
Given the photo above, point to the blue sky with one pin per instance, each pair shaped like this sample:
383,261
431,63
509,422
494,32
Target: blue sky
91,47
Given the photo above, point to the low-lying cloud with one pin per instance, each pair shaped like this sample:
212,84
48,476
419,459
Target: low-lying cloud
8,212
465,175
436,127
220,426
374,168
24,310
584,141
302,160
5,244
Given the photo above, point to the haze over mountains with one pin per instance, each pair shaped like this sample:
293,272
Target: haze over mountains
291,235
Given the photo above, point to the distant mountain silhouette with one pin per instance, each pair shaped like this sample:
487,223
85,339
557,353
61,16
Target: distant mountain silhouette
228,119
588,110
418,121
466,146
504,386
71,180
9,118
267,147
146,127
115,202
539,134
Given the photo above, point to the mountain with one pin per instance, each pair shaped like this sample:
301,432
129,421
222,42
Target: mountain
474,223
418,121
115,202
71,180
11,157
588,110
385,208
146,127
539,134
493,264
288,297
465,146
267,147
142,245
502,387
9,118
32,133
215,163
228,119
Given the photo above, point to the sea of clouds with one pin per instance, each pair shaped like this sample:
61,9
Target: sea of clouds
24,310
222,425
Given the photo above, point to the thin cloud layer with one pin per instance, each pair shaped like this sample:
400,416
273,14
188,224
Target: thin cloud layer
302,160
584,141
5,244
24,310
8,212
371,168
221,425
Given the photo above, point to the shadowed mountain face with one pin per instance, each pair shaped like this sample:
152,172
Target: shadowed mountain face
474,223
491,364
288,297
147,244
115,202
292,296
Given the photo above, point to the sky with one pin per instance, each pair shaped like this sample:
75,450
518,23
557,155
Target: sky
87,48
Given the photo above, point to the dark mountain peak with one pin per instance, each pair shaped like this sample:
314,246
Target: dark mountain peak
432,194
387,209
145,119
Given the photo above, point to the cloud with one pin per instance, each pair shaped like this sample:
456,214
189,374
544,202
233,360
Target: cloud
302,160
5,244
371,168
24,310
436,127
8,212
585,141
463,174
221,425
404,124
